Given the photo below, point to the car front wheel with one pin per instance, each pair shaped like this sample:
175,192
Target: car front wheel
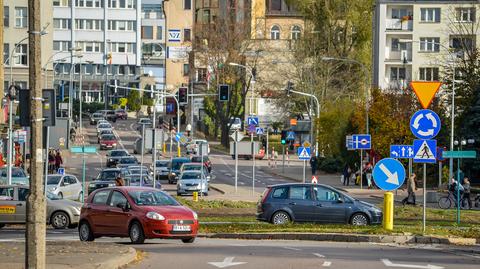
359,219
85,233
60,220
136,233
188,240
280,217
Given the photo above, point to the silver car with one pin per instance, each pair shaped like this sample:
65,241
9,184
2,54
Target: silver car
192,181
161,169
65,186
61,214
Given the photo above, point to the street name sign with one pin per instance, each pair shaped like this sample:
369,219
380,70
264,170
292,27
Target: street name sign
303,153
466,154
425,151
389,174
401,151
425,91
425,124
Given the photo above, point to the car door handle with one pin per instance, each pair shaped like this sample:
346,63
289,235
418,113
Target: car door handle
292,203
319,205
19,204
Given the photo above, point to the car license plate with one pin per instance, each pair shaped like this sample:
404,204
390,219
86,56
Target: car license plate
181,228
8,209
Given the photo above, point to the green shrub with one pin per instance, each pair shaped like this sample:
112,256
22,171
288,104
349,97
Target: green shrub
330,165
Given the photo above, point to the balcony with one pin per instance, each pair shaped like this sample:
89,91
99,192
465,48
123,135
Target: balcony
398,56
399,25
283,13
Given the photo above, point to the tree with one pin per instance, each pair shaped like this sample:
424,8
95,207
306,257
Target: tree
134,102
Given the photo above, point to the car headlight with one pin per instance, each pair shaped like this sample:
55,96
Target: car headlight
195,216
155,216
173,174
114,144
111,184
91,185
110,160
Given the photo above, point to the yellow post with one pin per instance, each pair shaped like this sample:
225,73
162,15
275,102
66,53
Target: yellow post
179,151
388,211
195,196
164,147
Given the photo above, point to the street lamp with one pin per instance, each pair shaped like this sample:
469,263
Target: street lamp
70,90
81,97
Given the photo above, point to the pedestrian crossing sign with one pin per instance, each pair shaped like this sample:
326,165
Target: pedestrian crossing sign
425,151
303,153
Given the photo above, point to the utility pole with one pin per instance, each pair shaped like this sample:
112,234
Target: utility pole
2,74
36,205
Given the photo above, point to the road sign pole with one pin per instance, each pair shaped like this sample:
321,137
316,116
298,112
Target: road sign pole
458,190
304,170
283,159
143,146
266,150
171,143
236,160
83,178
361,169
424,195
253,168
46,157
440,170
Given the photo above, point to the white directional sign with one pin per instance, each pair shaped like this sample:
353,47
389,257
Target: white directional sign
237,136
227,262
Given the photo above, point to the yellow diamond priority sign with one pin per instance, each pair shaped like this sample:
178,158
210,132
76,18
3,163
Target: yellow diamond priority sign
425,91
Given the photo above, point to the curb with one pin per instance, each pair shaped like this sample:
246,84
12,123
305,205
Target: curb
333,237
217,189
117,261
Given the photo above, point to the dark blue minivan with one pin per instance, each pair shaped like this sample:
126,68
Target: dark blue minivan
285,203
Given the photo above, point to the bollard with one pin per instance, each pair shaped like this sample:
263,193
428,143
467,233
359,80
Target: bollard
179,151
388,211
164,147
195,196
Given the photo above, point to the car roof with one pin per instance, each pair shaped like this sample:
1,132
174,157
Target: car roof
299,184
181,159
111,169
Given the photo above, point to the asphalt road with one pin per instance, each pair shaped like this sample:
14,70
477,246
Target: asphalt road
243,254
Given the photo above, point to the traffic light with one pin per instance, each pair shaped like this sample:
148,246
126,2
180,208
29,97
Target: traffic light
182,95
223,93
284,137
289,87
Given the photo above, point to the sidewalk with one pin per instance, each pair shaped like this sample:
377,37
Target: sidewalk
242,193
70,254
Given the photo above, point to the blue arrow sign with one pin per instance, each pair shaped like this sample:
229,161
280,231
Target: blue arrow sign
425,124
425,151
252,121
361,141
291,135
389,174
303,153
259,131
401,151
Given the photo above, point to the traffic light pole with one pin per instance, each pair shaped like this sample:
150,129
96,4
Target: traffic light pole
283,161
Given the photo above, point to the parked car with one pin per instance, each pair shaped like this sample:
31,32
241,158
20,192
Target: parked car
65,186
147,181
104,132
18,176
104,126
195,167
127,161
174,169
114,155
206,162
121,113
108,141
194,147
136,212
192,181
161,169
61,213
106,178
95,117
285,203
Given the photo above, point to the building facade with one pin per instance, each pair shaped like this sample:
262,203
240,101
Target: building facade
414,40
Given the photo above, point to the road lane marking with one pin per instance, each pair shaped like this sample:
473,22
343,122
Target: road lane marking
227,262
290,248
326,264
388,263
318,255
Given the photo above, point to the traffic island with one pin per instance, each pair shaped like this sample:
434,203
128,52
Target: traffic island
70,254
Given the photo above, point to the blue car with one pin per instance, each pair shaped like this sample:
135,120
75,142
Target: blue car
318,203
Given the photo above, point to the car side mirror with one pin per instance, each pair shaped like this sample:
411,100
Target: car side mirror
123,206
340,200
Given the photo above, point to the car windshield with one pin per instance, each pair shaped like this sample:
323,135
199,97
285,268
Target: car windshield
104,126
53,180
118,153
137,171
198,159
52,196
106,132
192,168
97,115
162,163
127,160
18,173
108,137
191,176
135,179
151,198
109,175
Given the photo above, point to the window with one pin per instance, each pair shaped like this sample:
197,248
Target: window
462,43
159,33
186,69
121,47
431,44
280,193
21,55
101,197
152,11
324,194
89,69
61,45
61,24
429,74
61,3
276,5
122,3
275,32
6,193
430,14
6,53
117,198
131,69
90,46
23,192
96,25
21,17
300,193
202,74
147,32
187,4
99,69
397,73
465,14
296,32
89,3
6,16
151,49
397,45
399,13
187,35
121,25
21,84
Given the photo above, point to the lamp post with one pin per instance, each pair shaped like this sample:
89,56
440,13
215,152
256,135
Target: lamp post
70,91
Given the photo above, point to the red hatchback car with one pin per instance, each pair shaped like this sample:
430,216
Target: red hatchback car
136,212
108,141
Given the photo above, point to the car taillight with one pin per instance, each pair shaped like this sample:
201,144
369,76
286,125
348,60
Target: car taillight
265,195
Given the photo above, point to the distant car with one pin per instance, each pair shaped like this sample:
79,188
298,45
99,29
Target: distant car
104,132
195,167
61,213
102,121
144,121
147,181
106,178
104,126
206,162
114,155
110,115
140,213
121,114
108,141
18,176
95,117
286,203
65,186
125,162
194,147
174,169
161,169
192,181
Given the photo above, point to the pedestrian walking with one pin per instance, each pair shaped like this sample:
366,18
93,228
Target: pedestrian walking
51,161
411,188
314,164
58,161
347,173
466,192
368,175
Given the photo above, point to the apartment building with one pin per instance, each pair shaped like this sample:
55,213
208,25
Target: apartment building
416,39
104,37
15,52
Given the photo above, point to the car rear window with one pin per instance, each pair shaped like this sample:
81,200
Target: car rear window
280,193
108,137
118,153
101,197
